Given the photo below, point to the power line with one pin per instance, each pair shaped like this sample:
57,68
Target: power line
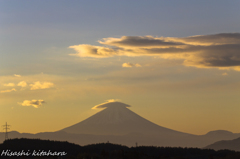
6,127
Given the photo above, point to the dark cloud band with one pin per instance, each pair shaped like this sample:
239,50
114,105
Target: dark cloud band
205,51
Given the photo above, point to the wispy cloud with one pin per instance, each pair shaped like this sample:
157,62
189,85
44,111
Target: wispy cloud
9,84
225,74
102,105
22,84
17,75
38,85
10,90
34,103
203,51
85,50
131,65
139,41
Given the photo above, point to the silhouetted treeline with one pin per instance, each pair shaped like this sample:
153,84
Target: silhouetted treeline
110,151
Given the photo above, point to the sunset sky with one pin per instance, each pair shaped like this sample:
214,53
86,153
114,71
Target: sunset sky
176,63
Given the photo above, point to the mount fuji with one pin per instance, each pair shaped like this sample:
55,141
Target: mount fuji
119,124
117,119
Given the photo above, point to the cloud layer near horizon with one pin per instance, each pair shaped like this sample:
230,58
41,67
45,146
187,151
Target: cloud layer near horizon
203,51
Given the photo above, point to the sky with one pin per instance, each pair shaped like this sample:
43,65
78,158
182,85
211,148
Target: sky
176,63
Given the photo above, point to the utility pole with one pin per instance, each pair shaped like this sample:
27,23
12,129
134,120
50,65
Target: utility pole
6,127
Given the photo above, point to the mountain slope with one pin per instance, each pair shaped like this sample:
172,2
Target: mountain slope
117,119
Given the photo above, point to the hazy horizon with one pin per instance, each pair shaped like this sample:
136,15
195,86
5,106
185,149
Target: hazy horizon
176,63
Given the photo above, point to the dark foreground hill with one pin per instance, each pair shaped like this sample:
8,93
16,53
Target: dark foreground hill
226,144
37,148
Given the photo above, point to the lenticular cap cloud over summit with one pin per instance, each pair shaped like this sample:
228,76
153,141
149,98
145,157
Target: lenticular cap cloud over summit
111,103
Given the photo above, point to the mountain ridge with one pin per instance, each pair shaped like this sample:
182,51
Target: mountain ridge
225,144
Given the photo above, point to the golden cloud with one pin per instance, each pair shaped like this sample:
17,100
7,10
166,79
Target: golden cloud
10,90
22,84
38,85
93,51
9,84
131,65
203,51
34,103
